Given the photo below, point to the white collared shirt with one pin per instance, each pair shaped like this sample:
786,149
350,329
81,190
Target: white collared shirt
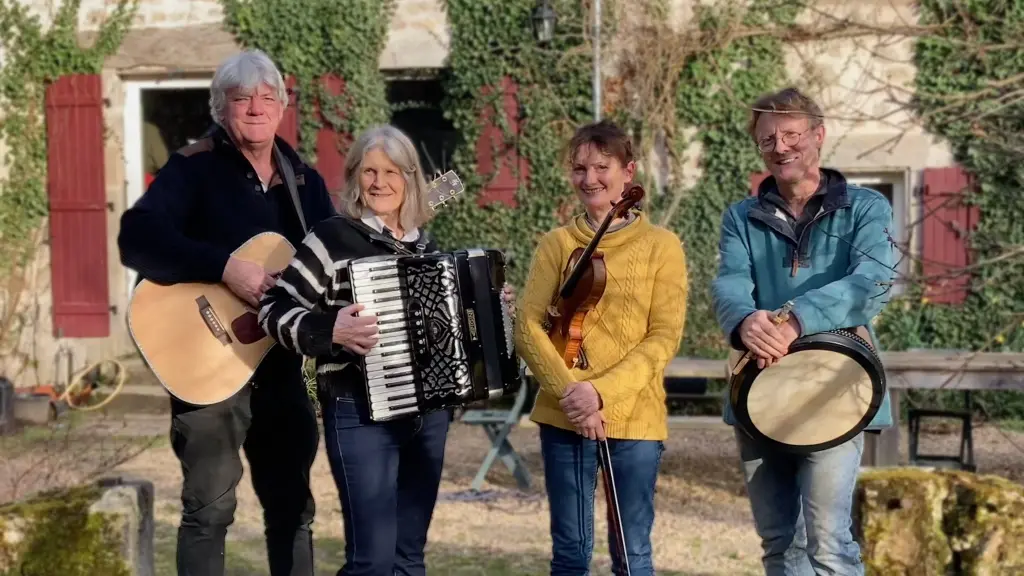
373,221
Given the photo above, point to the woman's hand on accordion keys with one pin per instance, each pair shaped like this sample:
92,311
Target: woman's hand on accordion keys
357,333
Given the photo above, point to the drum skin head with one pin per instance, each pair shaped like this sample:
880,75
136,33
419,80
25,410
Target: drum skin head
822,393
809,397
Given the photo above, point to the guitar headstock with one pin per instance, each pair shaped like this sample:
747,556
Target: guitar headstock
630,197
444,188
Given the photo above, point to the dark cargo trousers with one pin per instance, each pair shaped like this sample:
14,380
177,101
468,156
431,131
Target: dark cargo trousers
274,422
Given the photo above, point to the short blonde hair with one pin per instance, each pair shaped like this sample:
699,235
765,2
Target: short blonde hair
415,211
786,101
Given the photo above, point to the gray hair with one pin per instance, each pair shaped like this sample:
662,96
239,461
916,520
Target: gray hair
244,71
415,211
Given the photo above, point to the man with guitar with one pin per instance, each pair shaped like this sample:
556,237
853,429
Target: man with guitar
210,198
808,254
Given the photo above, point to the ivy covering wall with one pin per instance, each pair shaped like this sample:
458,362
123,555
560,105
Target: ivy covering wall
34,55
714,97
311,39
963,97
555,87
490,41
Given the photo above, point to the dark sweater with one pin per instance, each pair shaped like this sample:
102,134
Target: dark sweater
205,203
300,311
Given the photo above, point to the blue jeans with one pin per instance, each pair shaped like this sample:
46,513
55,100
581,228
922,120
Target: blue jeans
571,476
387,474
802,507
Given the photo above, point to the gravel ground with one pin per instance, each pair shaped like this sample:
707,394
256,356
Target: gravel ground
703,523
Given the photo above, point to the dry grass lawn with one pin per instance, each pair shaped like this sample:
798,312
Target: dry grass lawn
703,524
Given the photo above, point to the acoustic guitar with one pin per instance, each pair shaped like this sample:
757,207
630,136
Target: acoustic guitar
202,342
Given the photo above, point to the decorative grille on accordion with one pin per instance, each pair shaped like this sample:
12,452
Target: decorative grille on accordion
445,333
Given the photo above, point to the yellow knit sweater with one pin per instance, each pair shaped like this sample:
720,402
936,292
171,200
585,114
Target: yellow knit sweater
629,338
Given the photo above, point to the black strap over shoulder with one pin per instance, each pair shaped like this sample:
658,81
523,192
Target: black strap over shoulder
390,242
288,175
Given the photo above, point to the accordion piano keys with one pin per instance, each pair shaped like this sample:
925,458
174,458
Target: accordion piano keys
390,376
445,331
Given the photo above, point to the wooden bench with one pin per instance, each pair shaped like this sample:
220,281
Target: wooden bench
915,369
905,370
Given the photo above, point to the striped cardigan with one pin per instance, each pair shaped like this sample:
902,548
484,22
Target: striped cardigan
300,310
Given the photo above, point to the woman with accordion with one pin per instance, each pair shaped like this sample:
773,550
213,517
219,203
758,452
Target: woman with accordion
387,473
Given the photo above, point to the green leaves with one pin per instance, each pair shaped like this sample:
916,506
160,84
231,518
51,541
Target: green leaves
490,41
32,58
967,91
310,39
714,91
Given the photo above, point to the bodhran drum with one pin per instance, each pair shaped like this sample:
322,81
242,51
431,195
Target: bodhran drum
822,393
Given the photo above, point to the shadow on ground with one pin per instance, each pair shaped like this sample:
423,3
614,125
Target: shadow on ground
248,558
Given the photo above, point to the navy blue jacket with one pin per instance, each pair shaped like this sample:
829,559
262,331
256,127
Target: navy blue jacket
206,202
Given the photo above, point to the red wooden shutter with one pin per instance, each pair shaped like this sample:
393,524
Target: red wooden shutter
78,207
497,158
331,145
756,179
945,242
288,129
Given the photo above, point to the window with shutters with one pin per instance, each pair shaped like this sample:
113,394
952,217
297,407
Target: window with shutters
497,156
76,187
893,184
946,226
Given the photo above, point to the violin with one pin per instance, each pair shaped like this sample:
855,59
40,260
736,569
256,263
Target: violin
585,279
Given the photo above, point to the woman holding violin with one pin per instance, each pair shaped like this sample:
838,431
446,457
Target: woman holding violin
626,313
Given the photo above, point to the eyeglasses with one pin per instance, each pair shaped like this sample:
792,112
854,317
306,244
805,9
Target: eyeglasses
788,138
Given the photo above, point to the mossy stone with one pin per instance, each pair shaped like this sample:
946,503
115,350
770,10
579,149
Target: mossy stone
56,533
899,514
916,521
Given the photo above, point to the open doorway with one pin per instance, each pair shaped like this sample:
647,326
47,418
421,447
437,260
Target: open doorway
172,118
160,116
416,103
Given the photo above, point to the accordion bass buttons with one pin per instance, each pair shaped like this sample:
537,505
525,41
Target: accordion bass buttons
418,332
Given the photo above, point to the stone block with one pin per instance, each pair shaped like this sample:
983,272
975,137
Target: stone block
924,522
103,528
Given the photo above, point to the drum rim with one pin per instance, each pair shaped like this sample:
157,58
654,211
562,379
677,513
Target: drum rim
841,341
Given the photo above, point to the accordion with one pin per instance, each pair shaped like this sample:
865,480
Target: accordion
445,332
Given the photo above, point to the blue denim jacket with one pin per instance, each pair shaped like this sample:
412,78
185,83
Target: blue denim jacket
843,271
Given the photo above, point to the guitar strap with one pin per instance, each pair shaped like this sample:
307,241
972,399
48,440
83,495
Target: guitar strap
288,175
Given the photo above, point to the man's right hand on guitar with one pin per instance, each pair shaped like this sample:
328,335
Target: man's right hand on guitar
247,280
357,333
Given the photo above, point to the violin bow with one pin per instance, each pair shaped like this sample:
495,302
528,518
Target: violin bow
612,498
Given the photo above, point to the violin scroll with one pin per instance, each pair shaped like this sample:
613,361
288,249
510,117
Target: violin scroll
630,197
